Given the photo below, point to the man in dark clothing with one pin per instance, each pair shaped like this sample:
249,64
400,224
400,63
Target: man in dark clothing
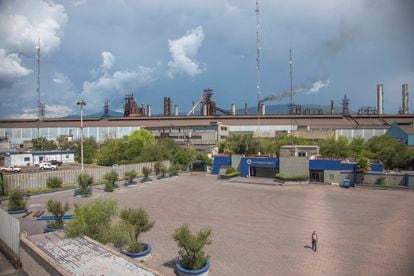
314,241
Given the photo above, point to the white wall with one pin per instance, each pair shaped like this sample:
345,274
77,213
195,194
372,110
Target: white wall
64,157
19,160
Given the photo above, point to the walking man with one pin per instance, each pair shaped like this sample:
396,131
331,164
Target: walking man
314,241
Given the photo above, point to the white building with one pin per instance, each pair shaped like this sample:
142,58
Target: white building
36,157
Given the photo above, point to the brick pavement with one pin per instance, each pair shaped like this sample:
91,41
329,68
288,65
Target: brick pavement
263,229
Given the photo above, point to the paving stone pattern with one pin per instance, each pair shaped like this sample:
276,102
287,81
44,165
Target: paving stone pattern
266,230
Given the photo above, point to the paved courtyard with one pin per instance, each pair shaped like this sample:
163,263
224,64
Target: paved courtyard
266,230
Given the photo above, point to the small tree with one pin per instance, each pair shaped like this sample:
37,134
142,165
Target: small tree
85,181
173,169
54,182
163,170
130,175
146,171
191,246
362,167
16,201
58,210
157,167
140,222
93,219
111,179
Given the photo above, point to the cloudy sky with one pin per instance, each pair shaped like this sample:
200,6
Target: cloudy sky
98,50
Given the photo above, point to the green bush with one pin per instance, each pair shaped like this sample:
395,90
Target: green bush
292,178
58,210
130,175
85,181
230,170
173,169
163,170
146,171
109,187
2,186
54,182
111,179
191,246
93,220
139,222
16,201
157,167
380,181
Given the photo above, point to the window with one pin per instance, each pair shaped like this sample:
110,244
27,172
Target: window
302,154
67,156
26,159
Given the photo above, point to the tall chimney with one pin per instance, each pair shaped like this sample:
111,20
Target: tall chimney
167,106
245,109
380,99
204,107
176,111
405,109
332,107
233,109
149,111
262,109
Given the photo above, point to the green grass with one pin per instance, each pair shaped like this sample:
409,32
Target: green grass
42,190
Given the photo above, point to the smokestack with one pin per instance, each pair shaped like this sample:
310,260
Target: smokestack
149,111
176,111
233,109
262,109
245,109
204,108
167,106
380,99
405,109
332,107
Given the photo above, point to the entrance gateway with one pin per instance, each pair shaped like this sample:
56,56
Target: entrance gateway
259,166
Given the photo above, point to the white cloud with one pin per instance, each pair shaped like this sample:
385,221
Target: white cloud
107,61
11,67
110,85
22,22
183,51
52,111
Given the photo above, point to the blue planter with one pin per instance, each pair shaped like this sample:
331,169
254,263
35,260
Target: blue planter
17,212
48,230
141,256
185,272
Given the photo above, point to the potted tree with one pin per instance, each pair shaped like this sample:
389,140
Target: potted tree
130,176
173,170
193,260
137,220
58,211
146,171
157,167
85,181
111,179
17,203
163,172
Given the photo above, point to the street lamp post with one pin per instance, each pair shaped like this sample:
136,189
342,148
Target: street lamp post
81,103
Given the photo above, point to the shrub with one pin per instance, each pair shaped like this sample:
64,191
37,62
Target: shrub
139,221
17,201
380,181
163,170
130,175
109,187
93,219
191,246
292,178
85,181
54,182
58,210
111,179
146,171
230,170
2,186
173,169
157,167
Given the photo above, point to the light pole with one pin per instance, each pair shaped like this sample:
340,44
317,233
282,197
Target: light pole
81,103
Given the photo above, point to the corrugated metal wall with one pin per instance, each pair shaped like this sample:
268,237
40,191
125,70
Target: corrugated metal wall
10,231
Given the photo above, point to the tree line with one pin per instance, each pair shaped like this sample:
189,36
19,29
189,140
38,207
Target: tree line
139,146
391,152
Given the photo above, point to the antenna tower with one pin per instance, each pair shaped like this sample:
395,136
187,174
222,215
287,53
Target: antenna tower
40,108
258,55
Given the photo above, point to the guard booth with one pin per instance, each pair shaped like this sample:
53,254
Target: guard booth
259,167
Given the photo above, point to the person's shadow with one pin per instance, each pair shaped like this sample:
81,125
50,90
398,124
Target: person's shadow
307,246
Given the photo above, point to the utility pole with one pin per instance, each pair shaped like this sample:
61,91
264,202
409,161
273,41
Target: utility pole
291,97
81,103
258,65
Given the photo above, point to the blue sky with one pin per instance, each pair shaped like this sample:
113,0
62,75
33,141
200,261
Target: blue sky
100,50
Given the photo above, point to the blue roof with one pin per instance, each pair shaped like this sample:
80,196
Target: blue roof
8,151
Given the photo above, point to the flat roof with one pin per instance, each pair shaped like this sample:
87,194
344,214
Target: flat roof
84,256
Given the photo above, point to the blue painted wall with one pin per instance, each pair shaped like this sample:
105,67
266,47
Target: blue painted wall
258,162
337,165
220,160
